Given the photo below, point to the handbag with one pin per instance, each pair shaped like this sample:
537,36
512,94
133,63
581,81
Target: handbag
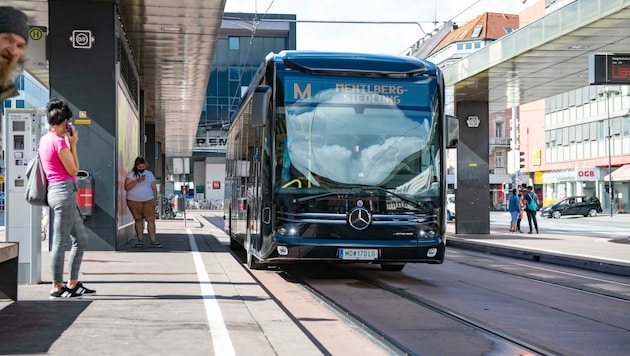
36,183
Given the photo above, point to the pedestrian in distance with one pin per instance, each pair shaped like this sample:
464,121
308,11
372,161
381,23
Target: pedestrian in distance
531,206
13,41
60,162
521,213
514,207
141,194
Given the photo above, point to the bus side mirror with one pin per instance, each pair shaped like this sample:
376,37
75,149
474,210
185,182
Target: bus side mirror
452,131
260,105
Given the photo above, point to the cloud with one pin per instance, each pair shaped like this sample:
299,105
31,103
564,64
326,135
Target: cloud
371,38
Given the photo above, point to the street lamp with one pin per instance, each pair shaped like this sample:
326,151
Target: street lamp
608,93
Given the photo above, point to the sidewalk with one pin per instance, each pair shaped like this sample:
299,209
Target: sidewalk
192,297
170,301
609,255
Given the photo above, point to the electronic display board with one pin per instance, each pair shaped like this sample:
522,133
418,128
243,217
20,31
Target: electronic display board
612,68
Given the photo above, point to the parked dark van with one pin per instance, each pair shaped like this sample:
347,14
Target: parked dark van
578,205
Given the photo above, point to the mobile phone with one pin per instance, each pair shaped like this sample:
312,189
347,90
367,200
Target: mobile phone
69,128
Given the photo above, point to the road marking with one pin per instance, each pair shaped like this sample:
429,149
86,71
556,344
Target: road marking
219,332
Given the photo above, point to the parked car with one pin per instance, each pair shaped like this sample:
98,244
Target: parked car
579,205
450,206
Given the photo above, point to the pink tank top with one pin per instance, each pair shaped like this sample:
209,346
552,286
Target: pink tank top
49,147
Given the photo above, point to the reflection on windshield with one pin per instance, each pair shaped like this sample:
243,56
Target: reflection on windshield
332,144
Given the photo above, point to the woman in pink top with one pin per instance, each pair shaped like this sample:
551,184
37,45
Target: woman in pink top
58,155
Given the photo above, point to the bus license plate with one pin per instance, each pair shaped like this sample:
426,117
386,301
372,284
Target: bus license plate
358,254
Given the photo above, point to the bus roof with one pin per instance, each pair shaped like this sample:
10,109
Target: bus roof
337,62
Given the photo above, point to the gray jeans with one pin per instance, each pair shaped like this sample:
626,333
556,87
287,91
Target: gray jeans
67,226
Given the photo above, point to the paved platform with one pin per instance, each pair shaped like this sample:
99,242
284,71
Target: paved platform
604,254
192,297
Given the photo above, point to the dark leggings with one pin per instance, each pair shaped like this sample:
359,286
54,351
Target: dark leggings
531,215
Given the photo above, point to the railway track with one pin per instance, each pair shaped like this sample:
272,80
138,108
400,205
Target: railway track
502,340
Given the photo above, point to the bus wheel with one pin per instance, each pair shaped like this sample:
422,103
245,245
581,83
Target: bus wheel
394,267
252,261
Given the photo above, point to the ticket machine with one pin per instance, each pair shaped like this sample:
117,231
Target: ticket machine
21,134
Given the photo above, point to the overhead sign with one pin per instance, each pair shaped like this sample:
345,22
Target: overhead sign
36,49
610,68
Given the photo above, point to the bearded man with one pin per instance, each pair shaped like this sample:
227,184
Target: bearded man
13,40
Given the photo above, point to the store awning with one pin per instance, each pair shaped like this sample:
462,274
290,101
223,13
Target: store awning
620,174
559,175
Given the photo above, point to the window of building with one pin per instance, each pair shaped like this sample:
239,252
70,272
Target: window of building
19,82
615,126
234,74
626,125
498,159
19,104
234,43
508,29
499,129
565,136
552,137
578,133
7,103
460,46
476,31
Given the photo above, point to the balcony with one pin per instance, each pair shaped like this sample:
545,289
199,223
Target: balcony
499,141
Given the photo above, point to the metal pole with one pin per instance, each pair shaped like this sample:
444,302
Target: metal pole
610,186
608,91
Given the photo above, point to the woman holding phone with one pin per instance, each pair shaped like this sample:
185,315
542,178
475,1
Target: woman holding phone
58,155
141,194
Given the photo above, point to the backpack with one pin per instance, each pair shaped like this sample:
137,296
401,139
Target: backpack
533,204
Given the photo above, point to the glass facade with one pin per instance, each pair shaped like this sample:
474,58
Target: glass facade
237,57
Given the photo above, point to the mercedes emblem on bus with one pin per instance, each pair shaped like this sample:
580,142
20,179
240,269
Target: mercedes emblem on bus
359,218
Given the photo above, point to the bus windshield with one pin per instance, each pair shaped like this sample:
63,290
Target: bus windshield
358,136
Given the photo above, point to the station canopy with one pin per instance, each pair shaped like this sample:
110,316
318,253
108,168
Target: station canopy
545,58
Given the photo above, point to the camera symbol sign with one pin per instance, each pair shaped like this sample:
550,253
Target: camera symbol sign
82,39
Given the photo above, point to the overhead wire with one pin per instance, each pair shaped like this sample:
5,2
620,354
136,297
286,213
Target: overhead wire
255,22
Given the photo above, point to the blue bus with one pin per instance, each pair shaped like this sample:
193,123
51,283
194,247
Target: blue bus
339,157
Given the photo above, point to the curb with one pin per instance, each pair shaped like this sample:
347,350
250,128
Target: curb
539,256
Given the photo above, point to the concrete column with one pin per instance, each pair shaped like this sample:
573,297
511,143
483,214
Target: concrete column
473,195
85,55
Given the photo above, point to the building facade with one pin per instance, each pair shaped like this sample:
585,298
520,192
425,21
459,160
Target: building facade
243,44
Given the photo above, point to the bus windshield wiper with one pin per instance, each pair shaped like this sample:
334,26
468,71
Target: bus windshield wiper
311,197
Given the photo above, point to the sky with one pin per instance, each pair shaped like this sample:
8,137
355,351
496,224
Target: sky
372,38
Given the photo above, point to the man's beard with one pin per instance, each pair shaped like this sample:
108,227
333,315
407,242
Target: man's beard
8,71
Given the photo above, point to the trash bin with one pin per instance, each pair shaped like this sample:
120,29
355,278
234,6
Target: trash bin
85,192
179,204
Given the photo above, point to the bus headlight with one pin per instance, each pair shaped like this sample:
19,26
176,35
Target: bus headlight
427,234
432,252
287,230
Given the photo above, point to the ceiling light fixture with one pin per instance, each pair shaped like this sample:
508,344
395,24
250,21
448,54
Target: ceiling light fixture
171,29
